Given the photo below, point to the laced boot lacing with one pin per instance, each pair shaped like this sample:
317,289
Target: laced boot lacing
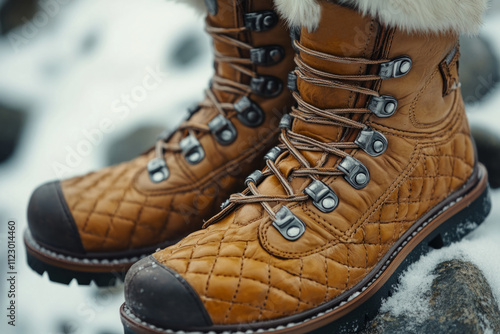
293,143
218,83
190,128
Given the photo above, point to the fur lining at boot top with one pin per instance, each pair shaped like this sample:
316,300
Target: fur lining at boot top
461,16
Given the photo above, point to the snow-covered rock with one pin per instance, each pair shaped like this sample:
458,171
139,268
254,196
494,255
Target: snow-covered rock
460,300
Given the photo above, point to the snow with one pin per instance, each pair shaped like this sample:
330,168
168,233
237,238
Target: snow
74,74
481,247
68,77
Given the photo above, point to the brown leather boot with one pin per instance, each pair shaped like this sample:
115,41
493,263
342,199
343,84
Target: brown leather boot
376,166
96,226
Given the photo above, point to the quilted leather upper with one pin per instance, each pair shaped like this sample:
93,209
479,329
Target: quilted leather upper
119,208
245,271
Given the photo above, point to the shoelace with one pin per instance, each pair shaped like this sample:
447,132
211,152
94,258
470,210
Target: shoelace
293,143
219,84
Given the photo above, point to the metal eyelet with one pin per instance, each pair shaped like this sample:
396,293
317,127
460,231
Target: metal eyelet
324,198
158,170
192,150
266,86
223,130
261,21
225,204
273,154
383,106
256,177
372,142
267,55
286,122
355,172
295,33
249,113
290,227
396,68
292,82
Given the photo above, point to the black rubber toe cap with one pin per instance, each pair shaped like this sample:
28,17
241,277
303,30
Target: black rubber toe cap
160,296
50,221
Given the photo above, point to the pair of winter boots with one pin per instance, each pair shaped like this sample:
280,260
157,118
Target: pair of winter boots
352,141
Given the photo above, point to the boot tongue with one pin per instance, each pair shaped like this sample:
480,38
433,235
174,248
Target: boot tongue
342,32
226,14
220,14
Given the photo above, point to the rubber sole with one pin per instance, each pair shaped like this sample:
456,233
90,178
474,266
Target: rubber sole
448,223
65,276
64,269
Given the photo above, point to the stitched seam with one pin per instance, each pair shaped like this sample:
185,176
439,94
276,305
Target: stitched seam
215,261
167,219
300,286
245,304
269,285
228,312
414,202
326,280
415,101
322,222
366,254
93,185
348,268
99,198
379,255
113,218
412,162
452,120
284,253
281,269
267,292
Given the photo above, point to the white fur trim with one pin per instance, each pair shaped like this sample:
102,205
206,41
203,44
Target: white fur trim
306,13
461,16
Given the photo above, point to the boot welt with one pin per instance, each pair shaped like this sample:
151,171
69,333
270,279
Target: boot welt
104,269
448,222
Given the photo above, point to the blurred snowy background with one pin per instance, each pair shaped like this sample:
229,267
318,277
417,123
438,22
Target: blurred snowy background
73,99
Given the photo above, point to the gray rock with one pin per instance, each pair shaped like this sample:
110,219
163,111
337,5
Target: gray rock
67,326
188,49
11,125
13,13
479,68
133,144
461,302
488,149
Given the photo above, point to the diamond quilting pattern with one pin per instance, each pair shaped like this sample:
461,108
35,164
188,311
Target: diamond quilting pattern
238,281
113,215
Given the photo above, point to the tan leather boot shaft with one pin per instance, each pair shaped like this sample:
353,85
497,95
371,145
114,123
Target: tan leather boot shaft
166,193
120,208
388,99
